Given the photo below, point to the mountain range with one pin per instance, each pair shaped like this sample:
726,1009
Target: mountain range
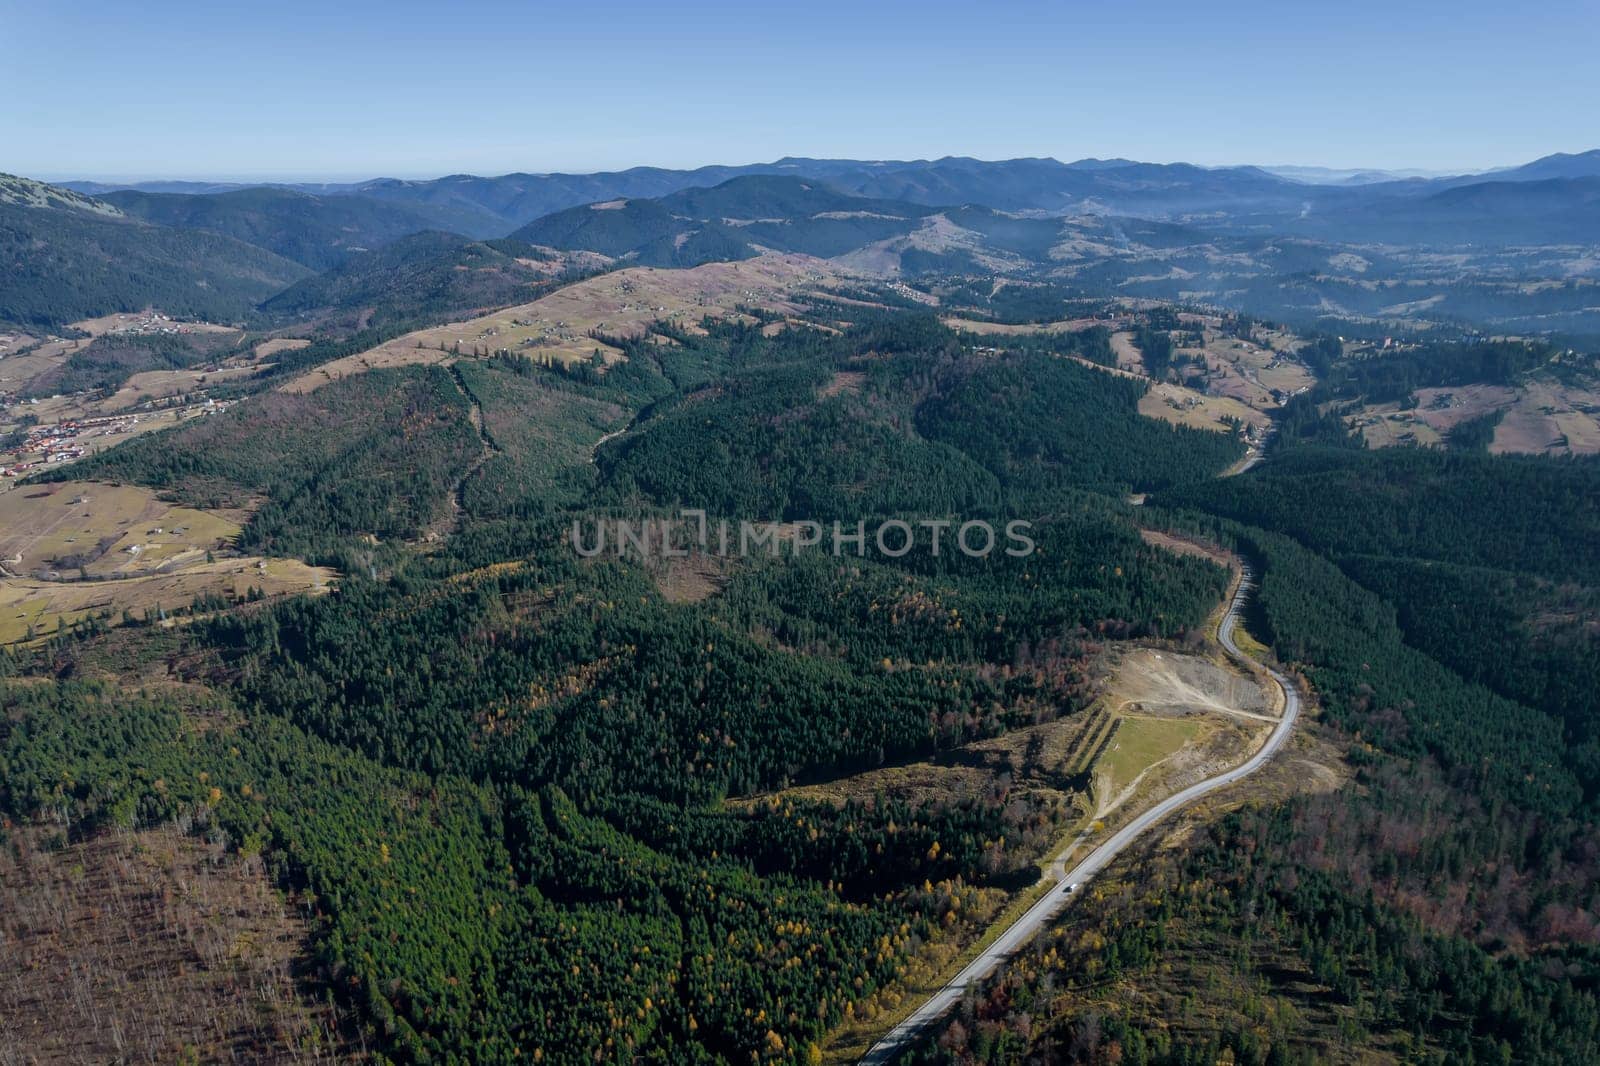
1164,230
494,206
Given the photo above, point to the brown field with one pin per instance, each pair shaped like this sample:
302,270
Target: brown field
935,233
268,348
1250,372
386,356
565,259
623,303
152,946
27,603
17,370
1286,376
114,323
1551,419
12,340
155,385
689,579
74,550
1129,357
1184,406
1156,682
843,381
1542,417
101,526
1005,329
1385,425
1173,719
1194,549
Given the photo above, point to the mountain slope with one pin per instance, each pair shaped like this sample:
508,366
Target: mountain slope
1559,165
64,256
734,220
755,197
1553,211
421,274
316,231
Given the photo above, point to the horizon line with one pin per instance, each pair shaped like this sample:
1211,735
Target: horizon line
356,178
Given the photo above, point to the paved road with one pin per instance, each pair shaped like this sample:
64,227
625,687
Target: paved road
1069,882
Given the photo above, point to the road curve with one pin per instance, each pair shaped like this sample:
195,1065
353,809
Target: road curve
1052,902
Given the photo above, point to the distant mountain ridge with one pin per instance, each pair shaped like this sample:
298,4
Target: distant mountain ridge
1559,165
485,207
1243,234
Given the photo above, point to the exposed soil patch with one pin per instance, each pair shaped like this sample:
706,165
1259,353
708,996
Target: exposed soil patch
1179,546
842,382
280,344
690,579
155,947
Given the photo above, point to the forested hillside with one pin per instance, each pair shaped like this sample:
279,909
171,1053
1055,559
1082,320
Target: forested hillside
373,456
534,802
1487,564
106,363
318,232
421,276
500,769
63,261
1440,908
738,218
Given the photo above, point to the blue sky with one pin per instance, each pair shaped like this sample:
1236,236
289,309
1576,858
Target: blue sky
351,90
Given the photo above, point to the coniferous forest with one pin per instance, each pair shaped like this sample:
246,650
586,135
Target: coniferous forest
533,804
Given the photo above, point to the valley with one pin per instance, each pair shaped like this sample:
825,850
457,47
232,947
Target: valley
1071,871
1278,743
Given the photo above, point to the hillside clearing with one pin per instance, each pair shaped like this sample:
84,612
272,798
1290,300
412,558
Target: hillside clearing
1183,406
38,607
106,530
623,303
1540,416
151,946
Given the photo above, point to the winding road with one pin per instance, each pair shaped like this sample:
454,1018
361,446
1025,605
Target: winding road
1068,882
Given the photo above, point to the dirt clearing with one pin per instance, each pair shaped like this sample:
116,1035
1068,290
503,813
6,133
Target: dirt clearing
151,946
1169,719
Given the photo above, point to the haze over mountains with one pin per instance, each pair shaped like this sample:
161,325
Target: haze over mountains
1301,244
493,206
